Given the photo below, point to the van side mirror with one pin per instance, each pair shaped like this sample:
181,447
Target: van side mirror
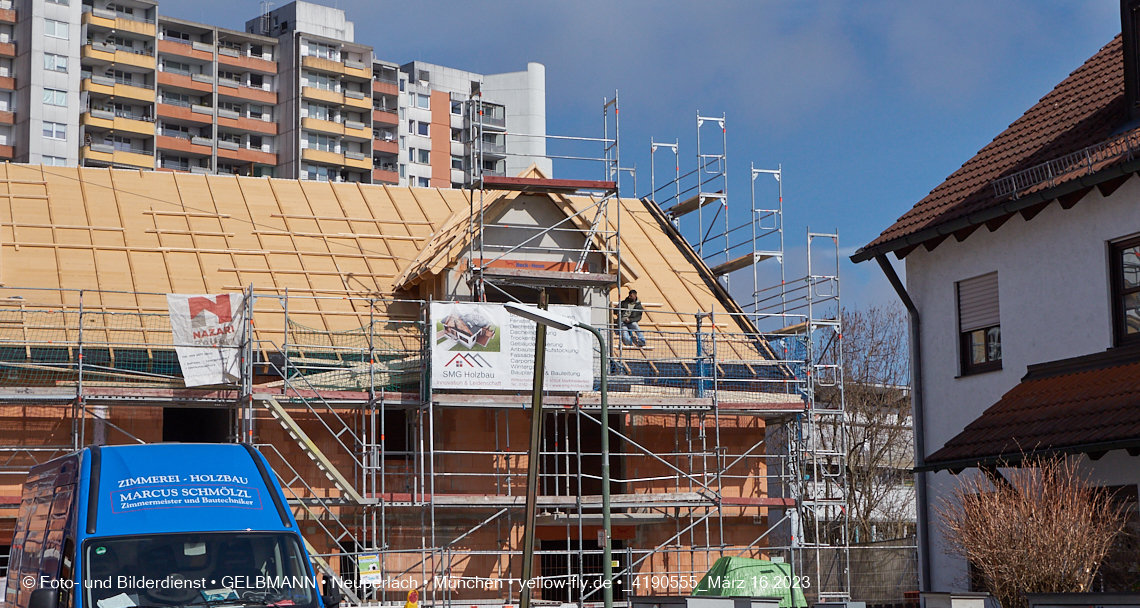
330,597
44,598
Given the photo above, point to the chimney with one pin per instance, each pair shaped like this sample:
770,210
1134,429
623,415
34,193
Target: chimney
1129,28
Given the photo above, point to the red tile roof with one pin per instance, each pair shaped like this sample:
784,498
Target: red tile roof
1089,404
1084,110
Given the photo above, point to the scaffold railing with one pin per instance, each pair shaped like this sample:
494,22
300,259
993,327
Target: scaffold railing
696,405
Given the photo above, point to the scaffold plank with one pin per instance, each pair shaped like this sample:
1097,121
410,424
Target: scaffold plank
693,203
617,501
735,264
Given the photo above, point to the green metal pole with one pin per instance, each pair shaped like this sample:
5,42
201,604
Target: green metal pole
533,456
607,556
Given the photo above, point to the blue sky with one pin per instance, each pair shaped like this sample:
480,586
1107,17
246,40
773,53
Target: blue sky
868,105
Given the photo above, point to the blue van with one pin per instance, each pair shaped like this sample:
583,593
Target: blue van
158,526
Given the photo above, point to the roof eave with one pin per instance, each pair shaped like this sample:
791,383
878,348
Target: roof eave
1009,207
1002,460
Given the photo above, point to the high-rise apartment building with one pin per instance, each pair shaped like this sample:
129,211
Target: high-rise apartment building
113,83
436,132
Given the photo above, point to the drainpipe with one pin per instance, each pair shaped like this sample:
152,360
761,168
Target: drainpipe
921,508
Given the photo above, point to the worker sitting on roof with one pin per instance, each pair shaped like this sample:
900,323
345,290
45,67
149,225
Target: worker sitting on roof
631,312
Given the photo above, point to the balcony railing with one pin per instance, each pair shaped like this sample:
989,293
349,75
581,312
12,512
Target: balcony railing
175,102
109,14
132,116
110,112
130,82
493,148
131,49
106,81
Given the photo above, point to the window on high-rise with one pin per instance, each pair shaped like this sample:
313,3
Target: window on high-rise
317,173
424,182
55,97
324,51
422,128
124,144
63,2
321,142
176,67
423,157
316,110
320,81
176,36
423,101
55,130
55,29
55,63
55,161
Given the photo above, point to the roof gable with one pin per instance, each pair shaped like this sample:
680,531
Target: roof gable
451,240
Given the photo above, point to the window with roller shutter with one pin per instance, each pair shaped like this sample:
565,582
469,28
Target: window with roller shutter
979,324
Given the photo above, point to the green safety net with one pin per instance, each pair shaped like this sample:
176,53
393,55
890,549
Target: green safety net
744,577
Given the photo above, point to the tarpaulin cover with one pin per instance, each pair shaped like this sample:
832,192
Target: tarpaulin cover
744,577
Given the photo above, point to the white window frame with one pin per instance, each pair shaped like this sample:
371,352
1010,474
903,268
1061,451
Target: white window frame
53,62
58,130
55,97
52,29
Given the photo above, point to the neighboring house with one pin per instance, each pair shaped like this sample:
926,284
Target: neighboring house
1023,284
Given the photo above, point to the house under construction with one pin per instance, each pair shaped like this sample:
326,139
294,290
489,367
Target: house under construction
717,445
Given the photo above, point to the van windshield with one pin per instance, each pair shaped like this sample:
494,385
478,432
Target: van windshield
203,569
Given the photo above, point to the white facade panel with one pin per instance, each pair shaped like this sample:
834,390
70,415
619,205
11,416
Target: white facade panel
1055,297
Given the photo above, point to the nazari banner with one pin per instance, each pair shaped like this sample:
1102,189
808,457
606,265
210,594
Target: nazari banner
208,335
479,346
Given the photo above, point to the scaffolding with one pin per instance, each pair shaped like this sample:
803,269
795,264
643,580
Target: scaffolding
603,218
725,428
803,319
324,421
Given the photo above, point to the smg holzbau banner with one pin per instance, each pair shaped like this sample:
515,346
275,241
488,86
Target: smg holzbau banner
482,346
208,334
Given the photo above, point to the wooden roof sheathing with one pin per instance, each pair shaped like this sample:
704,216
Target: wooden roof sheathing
136,235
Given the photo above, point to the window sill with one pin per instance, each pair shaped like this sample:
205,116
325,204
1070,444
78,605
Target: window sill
978,371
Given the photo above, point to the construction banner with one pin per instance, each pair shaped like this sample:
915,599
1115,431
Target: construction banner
208,332
479,346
